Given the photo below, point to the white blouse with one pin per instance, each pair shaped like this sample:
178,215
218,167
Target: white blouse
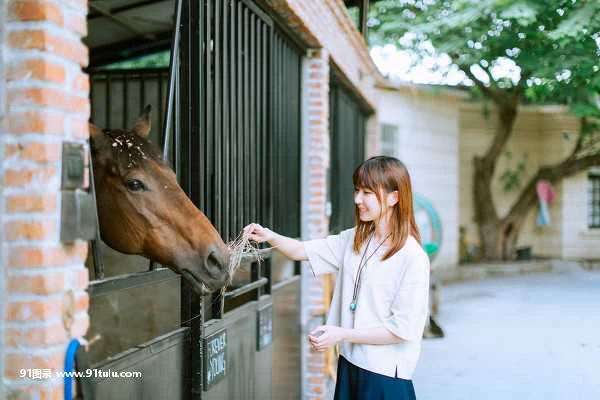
394,294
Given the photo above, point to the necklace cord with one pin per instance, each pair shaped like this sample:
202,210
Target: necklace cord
361,266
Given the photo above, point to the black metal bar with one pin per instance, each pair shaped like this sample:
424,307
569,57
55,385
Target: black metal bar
363,16
234,224
125,100
171,85
246,288
285,282
208,107
217,110
226,109
191,127
258,149
256,10
129,281
108,103
246,124
252,147
261,254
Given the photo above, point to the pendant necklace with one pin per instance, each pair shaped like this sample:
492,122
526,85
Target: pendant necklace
361,266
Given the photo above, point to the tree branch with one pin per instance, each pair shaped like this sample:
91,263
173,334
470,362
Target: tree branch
552,174
488,91
579,144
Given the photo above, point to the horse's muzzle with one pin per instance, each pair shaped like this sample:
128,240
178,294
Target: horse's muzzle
217,264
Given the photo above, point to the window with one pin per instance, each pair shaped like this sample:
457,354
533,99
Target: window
389,140
594,200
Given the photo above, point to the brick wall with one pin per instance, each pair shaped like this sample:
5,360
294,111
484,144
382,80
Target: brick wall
45,303
315,134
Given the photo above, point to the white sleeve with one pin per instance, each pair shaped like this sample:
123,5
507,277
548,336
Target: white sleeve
326,255
410,307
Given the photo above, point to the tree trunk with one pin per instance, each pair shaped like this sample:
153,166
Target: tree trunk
492,230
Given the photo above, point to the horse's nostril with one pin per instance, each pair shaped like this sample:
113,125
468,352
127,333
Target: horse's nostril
215,263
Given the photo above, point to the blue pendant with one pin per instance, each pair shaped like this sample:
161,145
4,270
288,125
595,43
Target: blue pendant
353,306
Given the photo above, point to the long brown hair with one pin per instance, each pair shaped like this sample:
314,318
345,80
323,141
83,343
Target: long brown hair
382,174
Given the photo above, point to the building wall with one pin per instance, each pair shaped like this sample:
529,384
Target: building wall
546,135
438,138
428,146
44,300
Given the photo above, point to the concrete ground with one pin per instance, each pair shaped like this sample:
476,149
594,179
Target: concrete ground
528,337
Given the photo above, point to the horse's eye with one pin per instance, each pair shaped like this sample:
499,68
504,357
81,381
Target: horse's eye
134,185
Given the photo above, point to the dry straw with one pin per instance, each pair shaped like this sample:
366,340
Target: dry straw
238,248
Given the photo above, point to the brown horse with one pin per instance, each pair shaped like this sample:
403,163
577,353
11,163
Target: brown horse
142,210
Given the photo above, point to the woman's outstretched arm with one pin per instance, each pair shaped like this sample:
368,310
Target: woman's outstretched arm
291,248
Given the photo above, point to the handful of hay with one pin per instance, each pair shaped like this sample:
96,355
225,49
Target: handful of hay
238,248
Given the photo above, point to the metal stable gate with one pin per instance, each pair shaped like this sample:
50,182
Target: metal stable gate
235,146
347,122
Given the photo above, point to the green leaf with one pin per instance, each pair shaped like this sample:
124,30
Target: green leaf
523,12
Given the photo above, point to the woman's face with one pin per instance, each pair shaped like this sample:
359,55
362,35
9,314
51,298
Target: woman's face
368,206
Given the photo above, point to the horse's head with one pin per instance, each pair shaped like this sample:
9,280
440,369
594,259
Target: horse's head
142,210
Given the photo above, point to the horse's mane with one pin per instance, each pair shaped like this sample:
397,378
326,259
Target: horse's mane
130,150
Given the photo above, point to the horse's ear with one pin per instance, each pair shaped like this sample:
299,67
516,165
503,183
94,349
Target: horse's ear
142,124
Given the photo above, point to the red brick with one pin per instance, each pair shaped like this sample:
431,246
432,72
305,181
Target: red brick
38,97
38,152
81,84
34,310
79,105
42,203
315,389
30,230
39,69
24,177
41,257
82,301
76,22
20,392
53,333
80,5
45,283
49,97
34,10
80,278
14,362
43,40
36,121
78,128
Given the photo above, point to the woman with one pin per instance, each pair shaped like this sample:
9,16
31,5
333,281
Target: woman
380,301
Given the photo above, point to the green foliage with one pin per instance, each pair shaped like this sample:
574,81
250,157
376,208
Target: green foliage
553,44
154,60
512,178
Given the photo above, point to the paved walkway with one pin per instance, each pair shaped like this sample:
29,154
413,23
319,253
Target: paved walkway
528,337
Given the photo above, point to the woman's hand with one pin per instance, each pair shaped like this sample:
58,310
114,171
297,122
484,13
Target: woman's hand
326,336
258,233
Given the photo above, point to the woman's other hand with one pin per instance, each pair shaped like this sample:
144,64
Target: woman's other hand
258,233
325,336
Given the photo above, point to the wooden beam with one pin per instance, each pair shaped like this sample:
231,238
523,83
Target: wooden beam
124,22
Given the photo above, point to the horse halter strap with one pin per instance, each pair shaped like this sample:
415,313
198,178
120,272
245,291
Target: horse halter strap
361,266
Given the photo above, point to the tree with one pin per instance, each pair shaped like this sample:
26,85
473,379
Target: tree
554,47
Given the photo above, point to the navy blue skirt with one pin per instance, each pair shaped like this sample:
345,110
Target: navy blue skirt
355,383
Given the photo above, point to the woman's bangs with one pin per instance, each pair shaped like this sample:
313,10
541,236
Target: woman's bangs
363,178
